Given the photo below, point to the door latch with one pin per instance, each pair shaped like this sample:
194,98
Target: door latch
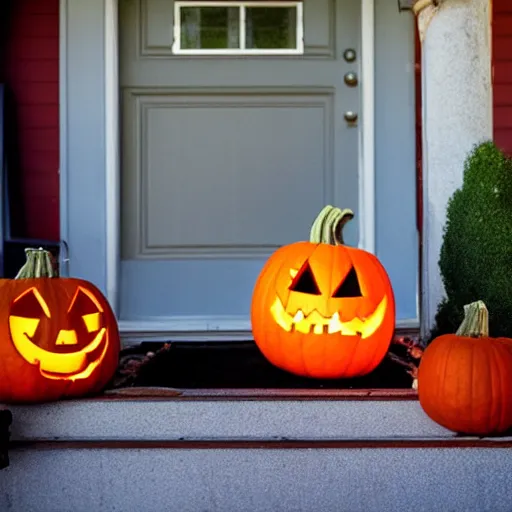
350,117
351,79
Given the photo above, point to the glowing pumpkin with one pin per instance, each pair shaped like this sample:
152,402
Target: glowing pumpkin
464,379
322,309
59,337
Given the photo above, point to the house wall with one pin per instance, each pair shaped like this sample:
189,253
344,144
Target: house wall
31,70
502,73
457,114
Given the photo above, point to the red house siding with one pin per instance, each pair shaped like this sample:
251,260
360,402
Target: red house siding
31,70
502,73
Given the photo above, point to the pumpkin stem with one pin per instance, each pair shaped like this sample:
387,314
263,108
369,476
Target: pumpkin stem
328,226
38,264
476,320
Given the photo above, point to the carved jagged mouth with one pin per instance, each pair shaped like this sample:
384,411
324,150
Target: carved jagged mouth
93,358
318,324
72,366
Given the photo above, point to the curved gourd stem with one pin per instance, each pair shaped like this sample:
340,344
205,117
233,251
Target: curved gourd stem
328,226
38,264
476,321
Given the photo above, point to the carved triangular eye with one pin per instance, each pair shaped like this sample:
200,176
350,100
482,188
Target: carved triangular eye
349,287
84,303
30,304
304,282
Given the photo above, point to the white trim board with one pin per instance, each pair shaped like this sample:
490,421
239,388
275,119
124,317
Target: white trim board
112,152
63,125
367,132
200,328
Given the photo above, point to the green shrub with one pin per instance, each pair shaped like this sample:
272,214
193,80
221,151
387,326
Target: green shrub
476,255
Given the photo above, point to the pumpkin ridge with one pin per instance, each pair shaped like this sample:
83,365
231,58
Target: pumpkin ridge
471,387
494,418
375,360
500,409
266,293
502,376
447,359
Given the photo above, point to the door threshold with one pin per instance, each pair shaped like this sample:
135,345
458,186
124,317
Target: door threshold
135,337
185,328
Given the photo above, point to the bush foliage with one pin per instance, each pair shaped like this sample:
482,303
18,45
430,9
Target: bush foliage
476,255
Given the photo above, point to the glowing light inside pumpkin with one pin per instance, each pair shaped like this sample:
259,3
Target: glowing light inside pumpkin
50,361
318,324
68,366
66,337
92,322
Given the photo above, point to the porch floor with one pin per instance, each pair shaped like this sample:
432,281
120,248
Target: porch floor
241,365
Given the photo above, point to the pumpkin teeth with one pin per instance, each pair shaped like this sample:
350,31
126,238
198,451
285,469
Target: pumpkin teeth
334,324
318,328
299,316
315,323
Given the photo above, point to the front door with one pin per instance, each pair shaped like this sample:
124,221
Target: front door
227,155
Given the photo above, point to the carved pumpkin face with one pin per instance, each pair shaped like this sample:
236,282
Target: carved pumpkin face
323,311
69,349
59,339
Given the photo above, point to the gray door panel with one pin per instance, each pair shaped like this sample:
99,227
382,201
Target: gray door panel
224,159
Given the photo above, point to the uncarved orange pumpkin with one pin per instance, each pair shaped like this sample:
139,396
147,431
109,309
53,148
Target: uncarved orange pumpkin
465,379
58,336
323,309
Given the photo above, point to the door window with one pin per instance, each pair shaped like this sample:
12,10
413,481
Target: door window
238,28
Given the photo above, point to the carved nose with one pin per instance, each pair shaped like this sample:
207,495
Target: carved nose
66,337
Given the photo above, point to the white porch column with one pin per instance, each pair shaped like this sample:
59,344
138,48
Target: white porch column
457,113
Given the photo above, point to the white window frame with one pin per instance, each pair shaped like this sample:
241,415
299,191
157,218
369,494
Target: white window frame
176,45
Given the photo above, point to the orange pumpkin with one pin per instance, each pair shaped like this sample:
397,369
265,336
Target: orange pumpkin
59,336
464,379
322,309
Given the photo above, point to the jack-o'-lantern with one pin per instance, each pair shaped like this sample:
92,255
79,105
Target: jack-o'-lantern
59,336
323,309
